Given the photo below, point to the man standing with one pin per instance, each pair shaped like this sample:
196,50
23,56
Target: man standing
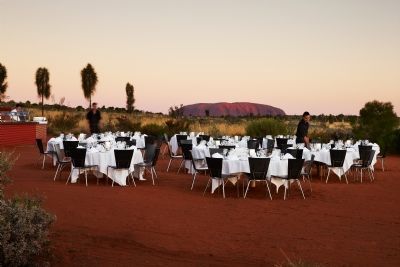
16,113
94,117
302,130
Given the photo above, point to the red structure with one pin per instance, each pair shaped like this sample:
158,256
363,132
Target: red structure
21,133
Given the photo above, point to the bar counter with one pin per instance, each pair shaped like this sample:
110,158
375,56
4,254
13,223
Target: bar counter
21,133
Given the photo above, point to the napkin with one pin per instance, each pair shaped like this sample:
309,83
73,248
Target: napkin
217,155
288,156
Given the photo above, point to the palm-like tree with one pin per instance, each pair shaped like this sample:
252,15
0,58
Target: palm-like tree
3,83
130,99
89,81
42,84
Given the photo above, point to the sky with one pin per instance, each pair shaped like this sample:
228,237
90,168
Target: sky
323,56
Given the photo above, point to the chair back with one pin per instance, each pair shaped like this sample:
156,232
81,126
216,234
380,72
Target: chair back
297,153
69,147
39,144
283,148
130,143
60,155
280,142
216,150
78,157
204,137
194,159
149,140
186,148
123,158
270,145
361,148
180,137
366,157
337,157
166,138
259,168
308,165
155,157
198,140
215,167
253,143
149,153
294,168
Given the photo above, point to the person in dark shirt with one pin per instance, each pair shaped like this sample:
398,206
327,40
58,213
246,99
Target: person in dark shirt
302,130
94,117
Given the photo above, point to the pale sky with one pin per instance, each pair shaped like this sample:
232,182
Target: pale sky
324,56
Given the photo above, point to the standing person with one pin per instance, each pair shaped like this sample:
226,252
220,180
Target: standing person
16,113
94,117
302,130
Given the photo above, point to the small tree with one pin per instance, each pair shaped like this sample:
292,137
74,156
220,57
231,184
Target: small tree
42,84
3,83
130,99
176,111
89,82
377,122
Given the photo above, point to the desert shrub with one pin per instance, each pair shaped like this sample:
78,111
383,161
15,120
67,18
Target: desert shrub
153,129
64,123
266,126
23,230
23,224
377,123
177,125
125,124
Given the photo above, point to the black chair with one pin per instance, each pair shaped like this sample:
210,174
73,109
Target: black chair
123,159
366,157
296,153
186,146
270,145
337,161
196,167
204,137
306,171
130,143
215,171
280,142
62,161
216,150
179,138
78,158
294,173
150,160
258,172
283,148
149,140
69,147
43,153
253,144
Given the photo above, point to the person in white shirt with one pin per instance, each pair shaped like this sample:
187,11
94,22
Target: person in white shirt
16,112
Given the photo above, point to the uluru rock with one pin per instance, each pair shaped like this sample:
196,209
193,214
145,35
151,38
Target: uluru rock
231,109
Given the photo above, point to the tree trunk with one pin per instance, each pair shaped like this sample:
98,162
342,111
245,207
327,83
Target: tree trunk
42,106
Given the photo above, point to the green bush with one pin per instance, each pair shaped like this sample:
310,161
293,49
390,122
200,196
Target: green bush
177,125
126,125
262,127
64,123
23,224
153,129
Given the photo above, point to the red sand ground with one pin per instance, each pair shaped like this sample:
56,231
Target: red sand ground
338,225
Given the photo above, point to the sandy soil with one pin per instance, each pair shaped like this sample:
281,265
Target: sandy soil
169,225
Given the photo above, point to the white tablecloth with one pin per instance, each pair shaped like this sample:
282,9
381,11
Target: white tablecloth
104,159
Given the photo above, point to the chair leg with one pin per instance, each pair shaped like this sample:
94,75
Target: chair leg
69,177
299,184
86,177
207,186
383,167
180,166
345,176
169,164
247,188
269,191
194,178
152,176
284,195
44,159
133,180
223,188
55,176
361,174
329,171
